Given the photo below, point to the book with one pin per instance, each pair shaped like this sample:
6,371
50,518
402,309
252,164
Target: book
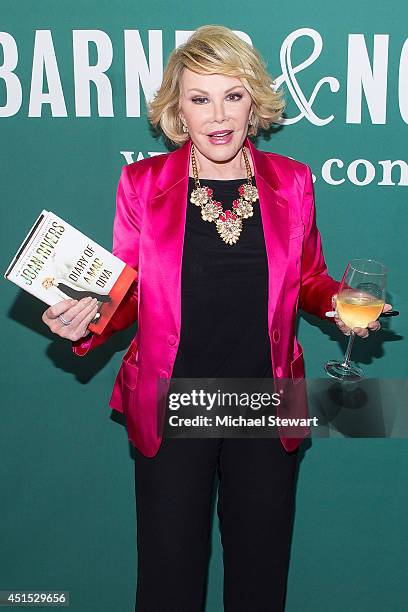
56,261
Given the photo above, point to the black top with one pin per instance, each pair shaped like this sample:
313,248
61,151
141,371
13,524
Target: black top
224,295
78,294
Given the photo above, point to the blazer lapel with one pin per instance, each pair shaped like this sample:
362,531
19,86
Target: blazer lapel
168,219
275,221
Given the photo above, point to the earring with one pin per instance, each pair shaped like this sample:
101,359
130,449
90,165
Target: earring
185,128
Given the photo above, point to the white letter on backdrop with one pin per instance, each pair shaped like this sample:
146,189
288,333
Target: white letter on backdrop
360,76
44,60
327,169
388,165
84,73
138,71
14,94
369,172
403,82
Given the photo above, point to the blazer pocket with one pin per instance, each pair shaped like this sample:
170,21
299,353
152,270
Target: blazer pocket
130,369
296,230
130,374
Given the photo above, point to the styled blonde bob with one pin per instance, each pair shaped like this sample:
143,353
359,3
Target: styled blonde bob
215,49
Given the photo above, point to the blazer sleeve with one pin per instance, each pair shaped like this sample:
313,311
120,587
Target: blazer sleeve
126,235
317,287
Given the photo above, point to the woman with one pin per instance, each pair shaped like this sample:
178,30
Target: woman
227,249
65,288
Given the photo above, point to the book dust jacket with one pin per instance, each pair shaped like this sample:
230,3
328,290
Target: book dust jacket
56,261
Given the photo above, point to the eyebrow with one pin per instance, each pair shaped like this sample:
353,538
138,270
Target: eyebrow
206,92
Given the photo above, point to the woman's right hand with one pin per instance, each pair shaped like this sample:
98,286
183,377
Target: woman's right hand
79,313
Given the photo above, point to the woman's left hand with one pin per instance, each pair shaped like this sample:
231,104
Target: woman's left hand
359,331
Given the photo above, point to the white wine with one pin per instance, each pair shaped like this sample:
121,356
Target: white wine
357,309
360,300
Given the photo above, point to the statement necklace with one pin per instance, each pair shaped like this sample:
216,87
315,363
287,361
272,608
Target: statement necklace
228,222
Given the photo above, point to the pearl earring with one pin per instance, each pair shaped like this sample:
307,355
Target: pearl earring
185,128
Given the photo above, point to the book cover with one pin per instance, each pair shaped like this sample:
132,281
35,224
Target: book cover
56,261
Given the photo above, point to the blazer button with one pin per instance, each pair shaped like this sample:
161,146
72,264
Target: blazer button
276,336
279,371
172,340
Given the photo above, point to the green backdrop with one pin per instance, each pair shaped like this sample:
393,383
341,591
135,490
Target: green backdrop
67,501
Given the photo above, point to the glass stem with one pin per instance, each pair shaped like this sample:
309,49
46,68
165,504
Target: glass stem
346,361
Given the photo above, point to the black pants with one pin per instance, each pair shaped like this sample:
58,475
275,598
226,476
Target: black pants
255,507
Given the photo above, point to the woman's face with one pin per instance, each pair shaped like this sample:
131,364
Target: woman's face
47,282
216,110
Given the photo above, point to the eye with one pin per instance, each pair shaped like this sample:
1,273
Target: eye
235,96
199,100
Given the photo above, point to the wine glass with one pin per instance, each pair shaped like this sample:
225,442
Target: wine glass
360,299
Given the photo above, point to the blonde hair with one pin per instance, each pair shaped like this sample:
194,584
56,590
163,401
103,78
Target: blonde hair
46,282
215,49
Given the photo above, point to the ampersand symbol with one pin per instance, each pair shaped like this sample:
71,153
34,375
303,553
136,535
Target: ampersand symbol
288,77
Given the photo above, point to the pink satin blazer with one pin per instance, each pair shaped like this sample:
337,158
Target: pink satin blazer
148,234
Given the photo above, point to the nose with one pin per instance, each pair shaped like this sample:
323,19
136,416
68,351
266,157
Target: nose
219,111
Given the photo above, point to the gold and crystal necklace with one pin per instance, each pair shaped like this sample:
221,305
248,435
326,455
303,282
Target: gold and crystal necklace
228,222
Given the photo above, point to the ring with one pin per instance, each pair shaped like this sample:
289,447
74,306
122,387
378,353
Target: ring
64,321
